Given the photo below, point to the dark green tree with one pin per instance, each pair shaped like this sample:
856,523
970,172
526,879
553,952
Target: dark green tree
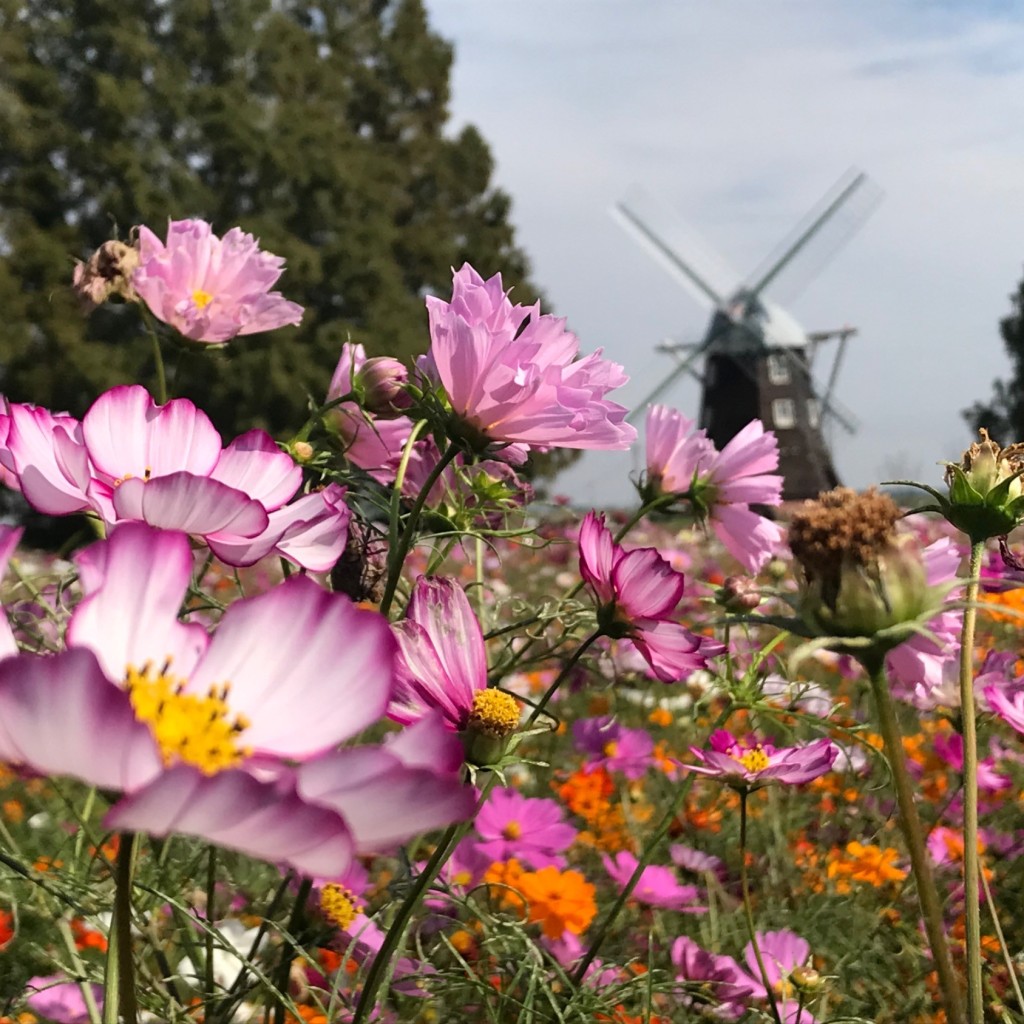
320,128
1003,414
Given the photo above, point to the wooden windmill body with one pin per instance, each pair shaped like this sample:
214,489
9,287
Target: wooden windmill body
758,361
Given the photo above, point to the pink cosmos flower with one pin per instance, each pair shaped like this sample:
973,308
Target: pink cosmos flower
751,763
920,663
515,376
613,746
442,662
781,952
719,485
637,592
133,460
711,981
658,885
57,998
208,288
200,734
531,830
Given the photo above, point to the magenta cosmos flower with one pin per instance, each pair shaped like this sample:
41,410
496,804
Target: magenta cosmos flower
711,981
720,486
203,735
530,829
751,763
208,288
442,663
133,460
514,376
658,885
611,745
782,953
637,593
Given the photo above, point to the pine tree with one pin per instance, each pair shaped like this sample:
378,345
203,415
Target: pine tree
320,128
1003,414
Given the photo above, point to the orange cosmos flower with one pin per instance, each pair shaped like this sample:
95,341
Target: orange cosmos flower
561,901
866,863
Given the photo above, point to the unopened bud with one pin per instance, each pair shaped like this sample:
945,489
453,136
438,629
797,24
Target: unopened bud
739,594
382,381
302,451
986,496
107,272
806,980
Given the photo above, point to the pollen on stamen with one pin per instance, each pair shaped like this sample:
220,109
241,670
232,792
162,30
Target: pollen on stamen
755,760
201,298
339,905
190,728
495,712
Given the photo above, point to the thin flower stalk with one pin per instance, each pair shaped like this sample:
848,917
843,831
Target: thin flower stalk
399,551
968,725
913,834
120,1004
748,911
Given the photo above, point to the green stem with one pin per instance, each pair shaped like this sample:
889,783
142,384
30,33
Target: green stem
398,552
295,923
646,856
913,834
120,1004
538,708
211,884
748,910
158,359
972,884
83,979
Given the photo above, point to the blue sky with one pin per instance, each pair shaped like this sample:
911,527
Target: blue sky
740,116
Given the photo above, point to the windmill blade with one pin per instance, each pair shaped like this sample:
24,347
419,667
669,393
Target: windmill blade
677,247
818,237
677,371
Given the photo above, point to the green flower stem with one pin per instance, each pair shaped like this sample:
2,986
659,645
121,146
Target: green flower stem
1011,967
913,834
158,357
646,856
748,910
398,551
211,885
538,708
972,884
120,1004
83,979
296,923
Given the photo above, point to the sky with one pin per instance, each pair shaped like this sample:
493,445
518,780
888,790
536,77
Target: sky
738,117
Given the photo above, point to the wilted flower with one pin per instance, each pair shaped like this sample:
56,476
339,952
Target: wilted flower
211,289
513,375
637,592
107,272
719,486
750,763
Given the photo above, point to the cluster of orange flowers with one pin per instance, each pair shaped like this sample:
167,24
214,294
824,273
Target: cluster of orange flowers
864,862
588,795
560,901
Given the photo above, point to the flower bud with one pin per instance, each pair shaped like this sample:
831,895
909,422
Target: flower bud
302,451
986,496
739,594
806,980
382,381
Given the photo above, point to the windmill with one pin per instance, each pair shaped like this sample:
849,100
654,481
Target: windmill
758,361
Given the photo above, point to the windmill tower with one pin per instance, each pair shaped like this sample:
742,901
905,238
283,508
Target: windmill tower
758,360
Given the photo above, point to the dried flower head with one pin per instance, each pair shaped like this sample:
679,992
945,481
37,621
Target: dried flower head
108,271
860,576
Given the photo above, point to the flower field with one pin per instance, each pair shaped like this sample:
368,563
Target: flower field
350,728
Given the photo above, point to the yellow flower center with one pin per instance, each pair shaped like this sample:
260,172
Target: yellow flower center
495,712
755,760
338,904
512,830
196,729
611,748
201,299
